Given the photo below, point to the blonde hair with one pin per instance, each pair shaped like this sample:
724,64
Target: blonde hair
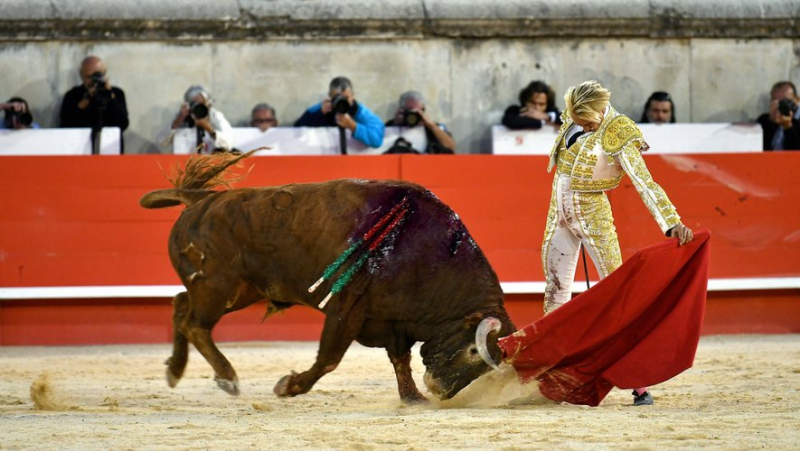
587,100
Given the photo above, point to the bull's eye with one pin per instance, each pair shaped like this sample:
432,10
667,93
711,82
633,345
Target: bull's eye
473,351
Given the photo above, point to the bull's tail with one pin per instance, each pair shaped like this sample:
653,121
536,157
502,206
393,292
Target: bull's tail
195,181
163,198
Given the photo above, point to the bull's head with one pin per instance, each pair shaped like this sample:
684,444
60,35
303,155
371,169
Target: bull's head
452,358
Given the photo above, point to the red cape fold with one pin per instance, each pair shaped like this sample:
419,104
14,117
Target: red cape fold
637,327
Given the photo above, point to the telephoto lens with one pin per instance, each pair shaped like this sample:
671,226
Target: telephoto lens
786,107
199,110
340,104
412,118
98,78
25,119
101,92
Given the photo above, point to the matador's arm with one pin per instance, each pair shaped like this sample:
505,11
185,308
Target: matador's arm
625,145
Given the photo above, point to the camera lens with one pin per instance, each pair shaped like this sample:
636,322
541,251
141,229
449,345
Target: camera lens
411,118
786,107
98,78
340,104
199,110
25,119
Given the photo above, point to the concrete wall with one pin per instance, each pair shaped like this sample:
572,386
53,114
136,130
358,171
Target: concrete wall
470,59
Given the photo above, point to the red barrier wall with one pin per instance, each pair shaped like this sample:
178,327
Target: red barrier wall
75,221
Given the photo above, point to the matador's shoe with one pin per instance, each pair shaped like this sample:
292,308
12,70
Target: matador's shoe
642,400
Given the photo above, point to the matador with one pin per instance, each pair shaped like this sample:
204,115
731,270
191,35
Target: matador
596,146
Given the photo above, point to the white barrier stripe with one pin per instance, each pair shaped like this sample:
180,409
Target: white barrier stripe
167,291
111,291
761,283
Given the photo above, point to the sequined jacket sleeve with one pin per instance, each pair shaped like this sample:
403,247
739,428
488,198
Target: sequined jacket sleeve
627,150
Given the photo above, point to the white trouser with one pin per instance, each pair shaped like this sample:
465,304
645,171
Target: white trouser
576,218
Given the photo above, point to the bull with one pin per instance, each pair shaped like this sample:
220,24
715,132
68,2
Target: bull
397,264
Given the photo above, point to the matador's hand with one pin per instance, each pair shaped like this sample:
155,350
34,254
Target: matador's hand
683,233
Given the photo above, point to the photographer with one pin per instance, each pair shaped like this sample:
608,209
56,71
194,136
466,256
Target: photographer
17,115
213,130
411,113
95,103
782,123
341,109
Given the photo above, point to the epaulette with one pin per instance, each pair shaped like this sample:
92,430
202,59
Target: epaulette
620,131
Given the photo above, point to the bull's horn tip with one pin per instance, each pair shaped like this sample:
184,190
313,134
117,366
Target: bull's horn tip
486,326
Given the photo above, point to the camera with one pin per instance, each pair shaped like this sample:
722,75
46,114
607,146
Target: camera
100,90
199,110
340,104
411,118
98,79
17,119
787,107
22,119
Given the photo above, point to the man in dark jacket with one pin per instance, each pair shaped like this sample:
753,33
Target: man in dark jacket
94,103
782,123
537,107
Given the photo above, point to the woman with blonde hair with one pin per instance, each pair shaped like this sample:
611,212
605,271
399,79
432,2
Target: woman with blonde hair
596,146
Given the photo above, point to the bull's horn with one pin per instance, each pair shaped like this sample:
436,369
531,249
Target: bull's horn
487,326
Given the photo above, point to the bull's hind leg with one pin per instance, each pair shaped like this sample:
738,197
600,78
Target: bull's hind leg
342,325
176,364
405,382
225,376
203,313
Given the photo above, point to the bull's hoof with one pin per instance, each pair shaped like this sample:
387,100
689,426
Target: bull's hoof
172,380
230,387
282,388
415,400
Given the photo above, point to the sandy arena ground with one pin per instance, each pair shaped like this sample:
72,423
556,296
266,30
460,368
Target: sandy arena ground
743,393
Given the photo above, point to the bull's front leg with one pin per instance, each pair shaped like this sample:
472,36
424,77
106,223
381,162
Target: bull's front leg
405,382
341,328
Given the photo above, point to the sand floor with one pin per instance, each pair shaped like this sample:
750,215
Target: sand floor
743,393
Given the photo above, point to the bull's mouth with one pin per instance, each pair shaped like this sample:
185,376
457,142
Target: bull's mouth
434,385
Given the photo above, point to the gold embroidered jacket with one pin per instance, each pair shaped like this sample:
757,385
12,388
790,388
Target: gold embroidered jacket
598,161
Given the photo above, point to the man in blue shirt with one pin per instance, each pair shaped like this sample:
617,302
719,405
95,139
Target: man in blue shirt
341,109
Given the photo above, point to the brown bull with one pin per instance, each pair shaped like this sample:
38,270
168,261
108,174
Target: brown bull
408,271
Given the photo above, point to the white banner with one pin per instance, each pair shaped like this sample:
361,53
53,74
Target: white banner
58,141
662,138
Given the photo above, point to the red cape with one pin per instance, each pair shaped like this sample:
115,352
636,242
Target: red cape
637,327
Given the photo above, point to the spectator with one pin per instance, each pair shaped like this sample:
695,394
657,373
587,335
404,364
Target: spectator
94,103
341,109
782,123
17,115
537,106
659,109
213,130
263,117
410,113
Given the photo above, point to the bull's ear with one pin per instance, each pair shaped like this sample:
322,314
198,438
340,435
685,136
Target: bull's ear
472,320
